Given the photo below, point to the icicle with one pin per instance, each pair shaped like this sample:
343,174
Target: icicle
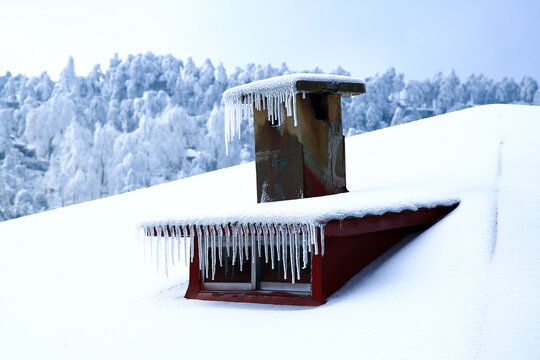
288,100
153,233
294,110
146,240
239,104
308,237
192,241
152,239
252,231
144,244
158,248
220,244
206,237
259,228
172,235
182,236
272,230
254,236
284,251
266,244
321,227
305,246
246,240
296,252
179,233
200,246
148,246
155,258
145,237
281,114
213,233
141,238
166,246
234,236
314,238
276,237
175,249
172,242
240,245
290,241
228,238
159,240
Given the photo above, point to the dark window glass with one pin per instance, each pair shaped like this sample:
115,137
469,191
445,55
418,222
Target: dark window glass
276,274
229,272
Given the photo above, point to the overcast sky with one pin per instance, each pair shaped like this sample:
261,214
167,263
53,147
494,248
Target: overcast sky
418,38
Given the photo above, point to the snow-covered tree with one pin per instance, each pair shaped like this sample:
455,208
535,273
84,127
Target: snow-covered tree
529,86
153,118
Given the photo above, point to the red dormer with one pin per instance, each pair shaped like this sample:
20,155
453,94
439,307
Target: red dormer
305,236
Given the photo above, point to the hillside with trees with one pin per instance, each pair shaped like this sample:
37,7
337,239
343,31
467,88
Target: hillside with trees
150,119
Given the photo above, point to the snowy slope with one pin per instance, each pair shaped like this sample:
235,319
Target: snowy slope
74,283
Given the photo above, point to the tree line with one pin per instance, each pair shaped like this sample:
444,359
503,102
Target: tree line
150,119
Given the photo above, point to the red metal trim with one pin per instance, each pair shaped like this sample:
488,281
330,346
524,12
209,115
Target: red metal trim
274,298
194,273
313,187
346,256
387,221
317,279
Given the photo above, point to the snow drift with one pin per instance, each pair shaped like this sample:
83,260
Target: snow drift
74,282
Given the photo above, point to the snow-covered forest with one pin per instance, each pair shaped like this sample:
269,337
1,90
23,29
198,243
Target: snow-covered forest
150,119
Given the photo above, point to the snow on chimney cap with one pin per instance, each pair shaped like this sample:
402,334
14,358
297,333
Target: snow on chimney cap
279,94
303,82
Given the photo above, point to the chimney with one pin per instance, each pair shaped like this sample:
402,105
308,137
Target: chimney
299,142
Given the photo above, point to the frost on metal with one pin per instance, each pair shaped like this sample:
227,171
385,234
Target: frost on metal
289,244
277,95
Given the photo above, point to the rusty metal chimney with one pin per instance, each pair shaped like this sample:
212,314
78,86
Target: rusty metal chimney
299,142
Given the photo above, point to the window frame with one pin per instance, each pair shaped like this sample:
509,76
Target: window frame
256,285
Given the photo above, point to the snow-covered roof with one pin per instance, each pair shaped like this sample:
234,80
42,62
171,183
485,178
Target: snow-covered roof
278,95
300,221
316,210
468,287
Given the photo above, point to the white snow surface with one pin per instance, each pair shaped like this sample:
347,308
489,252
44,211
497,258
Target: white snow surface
277,95
317,210
75,283
288,218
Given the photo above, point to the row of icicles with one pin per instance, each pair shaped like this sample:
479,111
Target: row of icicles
290,244
278,104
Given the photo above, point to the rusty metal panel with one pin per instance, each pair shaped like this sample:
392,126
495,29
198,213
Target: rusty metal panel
332,87
300,161
319,120
279,160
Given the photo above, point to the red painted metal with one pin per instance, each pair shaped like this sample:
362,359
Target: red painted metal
345,256
194,286
312,185
258,297
387,221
